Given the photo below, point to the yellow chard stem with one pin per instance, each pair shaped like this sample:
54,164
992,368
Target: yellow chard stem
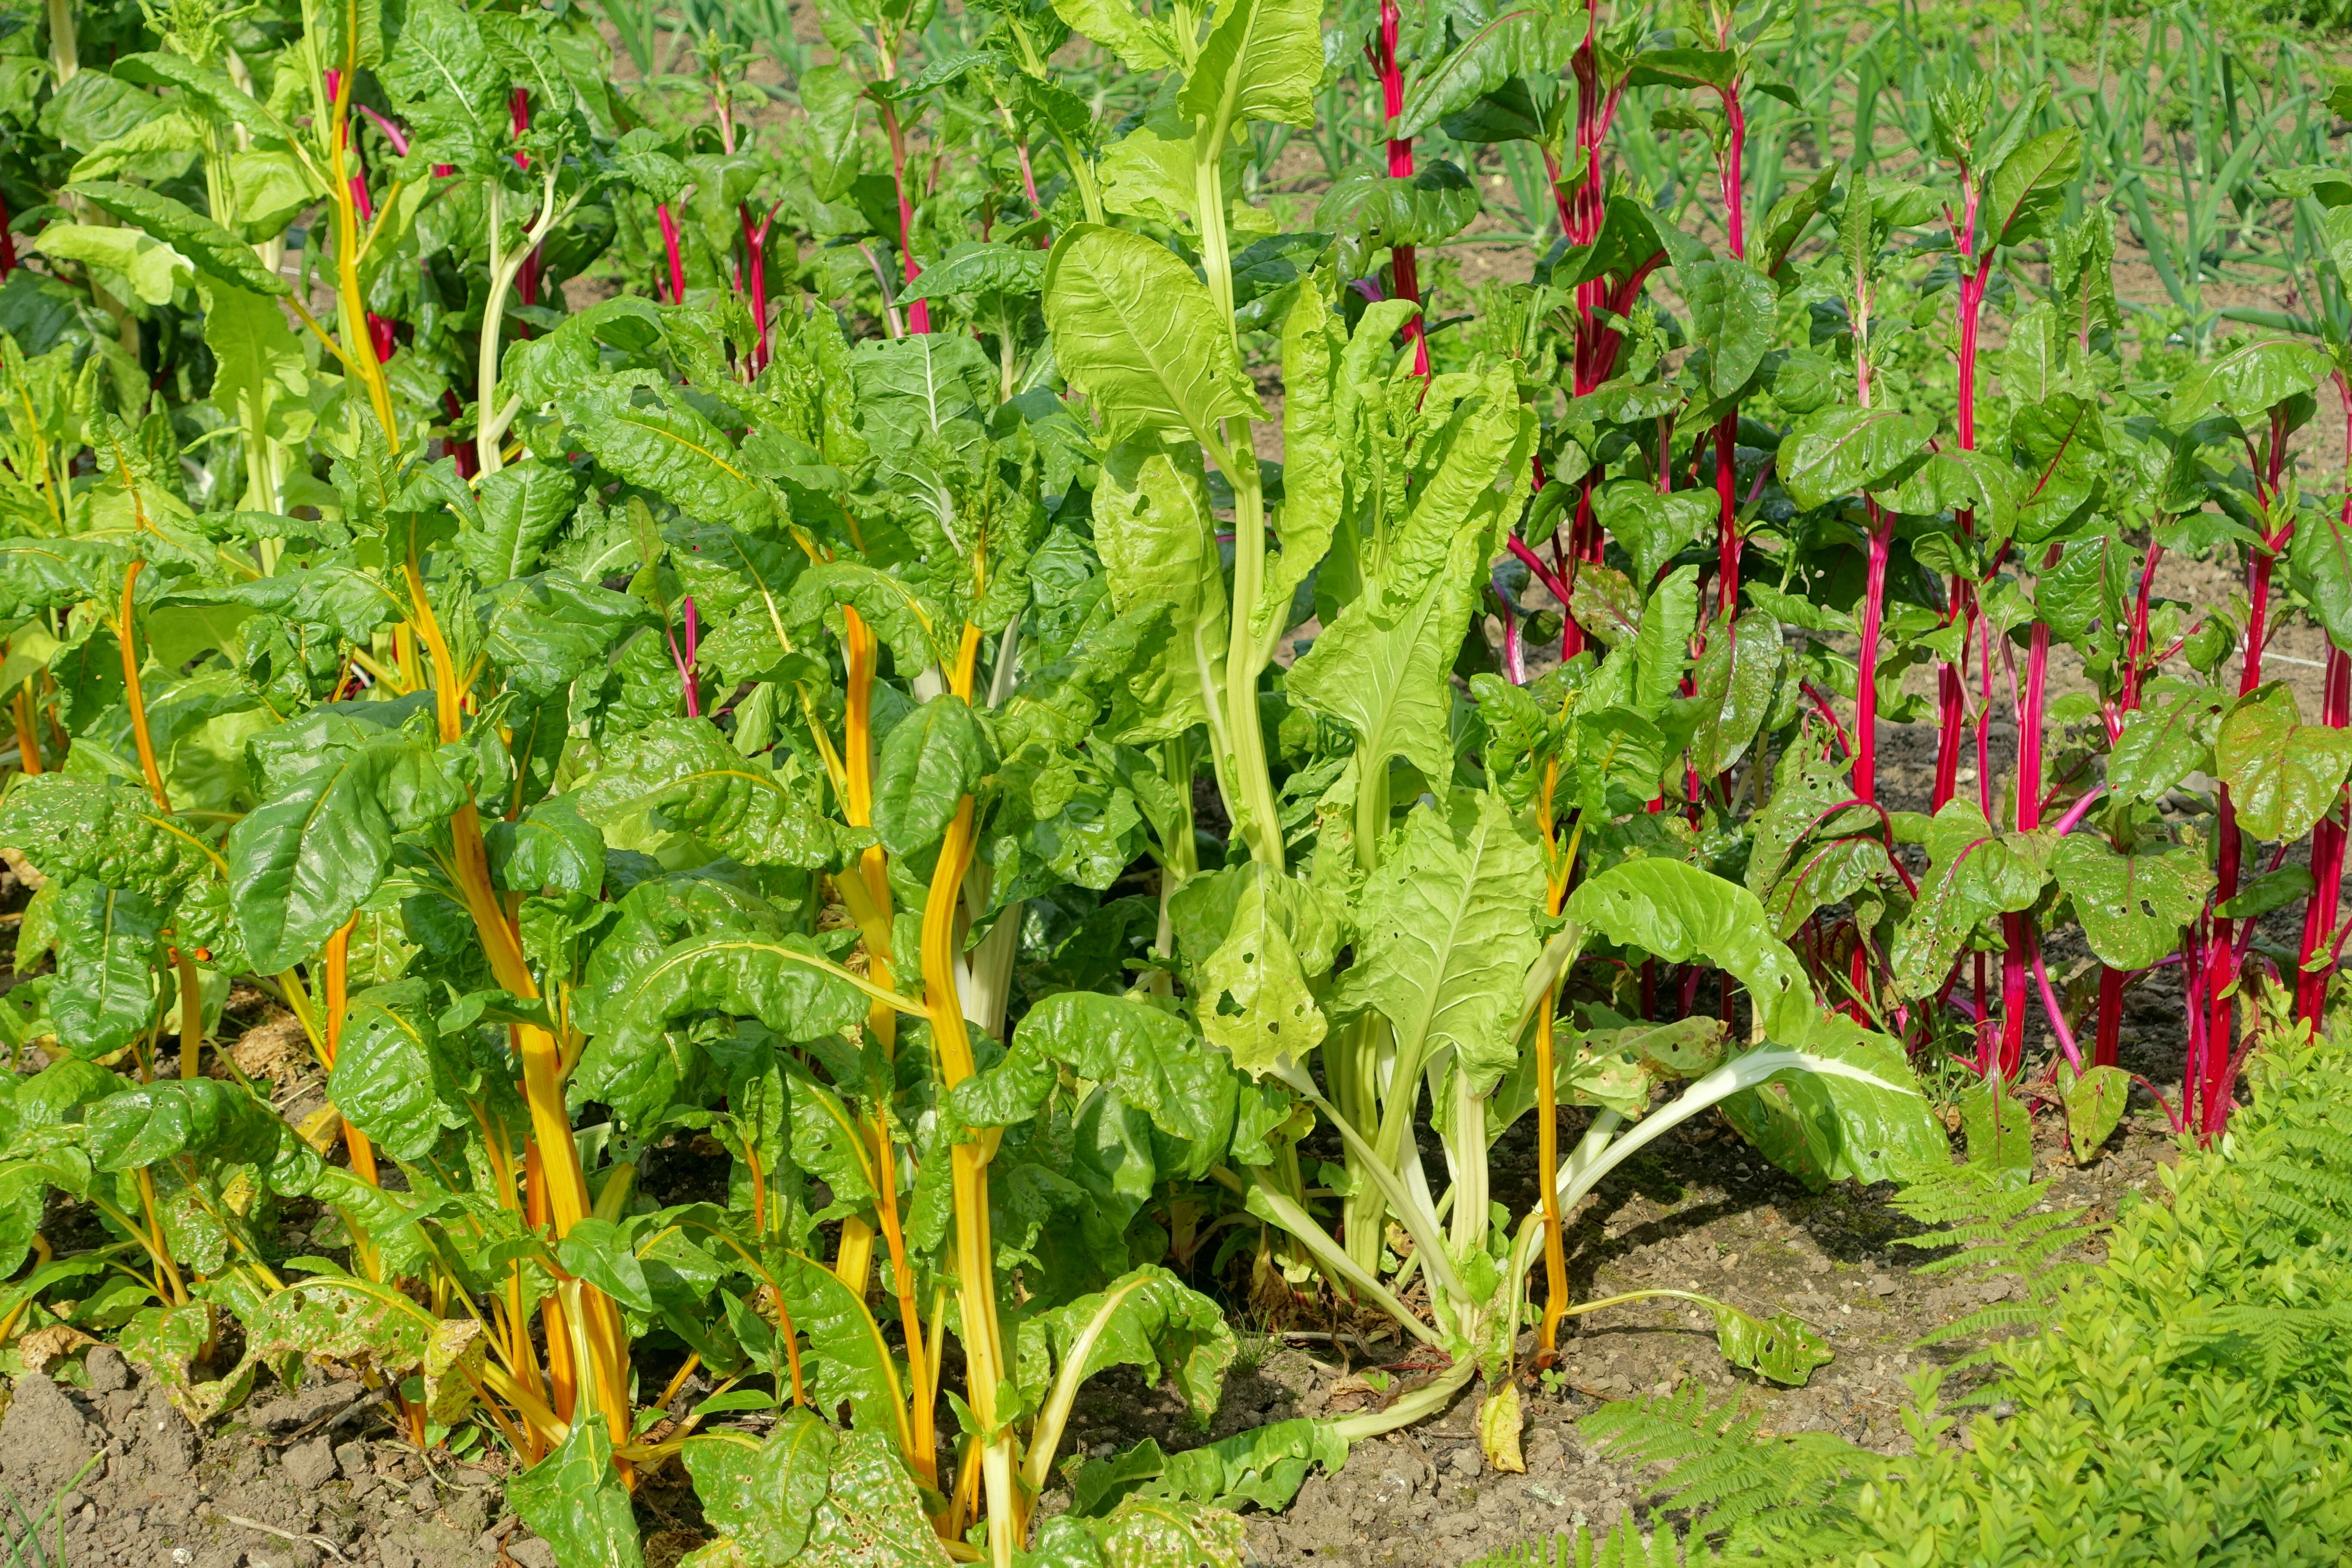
359,350
542,1064
975,1249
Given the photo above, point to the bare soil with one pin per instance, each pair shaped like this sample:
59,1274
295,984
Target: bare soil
316,1474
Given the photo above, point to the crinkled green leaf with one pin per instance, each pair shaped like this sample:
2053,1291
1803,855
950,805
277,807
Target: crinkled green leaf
1137,332
1448,924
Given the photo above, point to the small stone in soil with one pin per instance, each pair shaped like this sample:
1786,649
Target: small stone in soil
311,1465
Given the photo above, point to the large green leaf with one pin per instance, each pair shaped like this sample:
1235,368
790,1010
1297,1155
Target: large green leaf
1382,665
1829,1126
2247,381
1428,206
1734,685
73,828
216,252
259,373
930,760
1316,449
671,450
301,862
1680,914
1838,450
1137,332
394,1079
2282,773
856,1366
784,982
544,632
2029,185
1974,873
1147,1319
1522,41
2133,903
1855,1114
1264,1466
1448,931
202,1116
2322,563
573,1500
522,506
206,84
1734,308
1146,1531
2164,743
1148,1057
105,994
1157,541
39,574
1250,984
2057,445
683,769
445,82
1263,60
764,1495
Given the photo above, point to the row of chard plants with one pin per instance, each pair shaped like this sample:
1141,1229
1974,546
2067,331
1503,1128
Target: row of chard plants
645,623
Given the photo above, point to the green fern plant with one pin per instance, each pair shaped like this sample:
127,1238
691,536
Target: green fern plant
1994,1230
1622,1547
1718,1459
2188,1401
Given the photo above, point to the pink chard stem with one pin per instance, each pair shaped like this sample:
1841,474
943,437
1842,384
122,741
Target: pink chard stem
2328,835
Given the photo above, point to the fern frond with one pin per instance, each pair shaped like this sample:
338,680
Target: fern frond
1718,1460
1622,1547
